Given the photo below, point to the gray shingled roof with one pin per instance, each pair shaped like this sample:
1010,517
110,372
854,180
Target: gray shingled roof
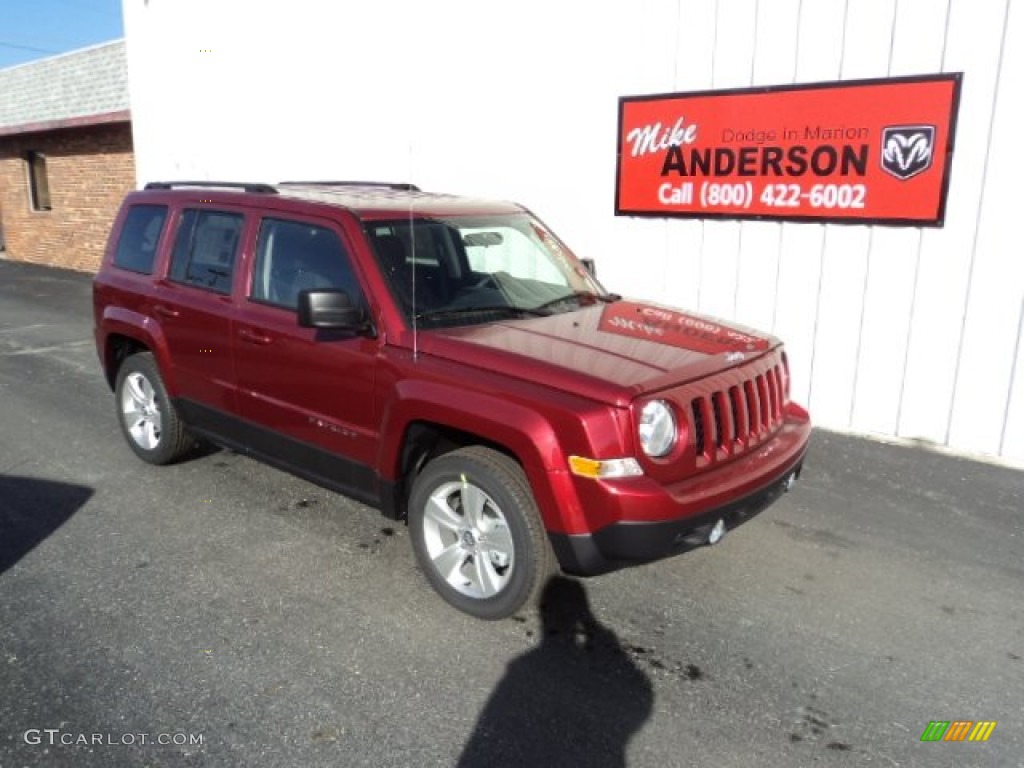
90,81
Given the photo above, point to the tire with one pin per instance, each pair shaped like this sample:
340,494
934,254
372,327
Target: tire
477,534
147,417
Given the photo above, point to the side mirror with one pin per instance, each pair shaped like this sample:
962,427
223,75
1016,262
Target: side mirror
590,266
331,310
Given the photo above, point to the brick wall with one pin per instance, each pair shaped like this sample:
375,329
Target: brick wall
90,169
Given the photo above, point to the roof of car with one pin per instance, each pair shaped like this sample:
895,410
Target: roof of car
368,200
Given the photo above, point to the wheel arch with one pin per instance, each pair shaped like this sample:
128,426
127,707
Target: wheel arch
426,425
126,333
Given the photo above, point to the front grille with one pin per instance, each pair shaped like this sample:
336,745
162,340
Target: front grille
729,421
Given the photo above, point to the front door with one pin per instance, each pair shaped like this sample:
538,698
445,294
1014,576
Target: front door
312,389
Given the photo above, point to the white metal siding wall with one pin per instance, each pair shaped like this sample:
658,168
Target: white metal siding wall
906,332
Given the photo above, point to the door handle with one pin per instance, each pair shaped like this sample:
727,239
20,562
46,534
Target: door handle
163,311
252,337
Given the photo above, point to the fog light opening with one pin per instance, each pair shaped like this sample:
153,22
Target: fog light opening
717,532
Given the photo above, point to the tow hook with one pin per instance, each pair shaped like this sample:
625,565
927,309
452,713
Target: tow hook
717,532
790,481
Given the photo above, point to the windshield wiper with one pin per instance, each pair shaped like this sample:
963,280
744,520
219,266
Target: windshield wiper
504,308
579,297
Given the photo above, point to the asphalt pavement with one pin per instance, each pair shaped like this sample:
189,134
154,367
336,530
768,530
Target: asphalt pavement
222,613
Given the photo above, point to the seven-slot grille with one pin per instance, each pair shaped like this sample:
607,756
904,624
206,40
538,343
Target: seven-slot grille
728,421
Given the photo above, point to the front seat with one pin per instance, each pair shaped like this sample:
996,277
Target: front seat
391,254
314,267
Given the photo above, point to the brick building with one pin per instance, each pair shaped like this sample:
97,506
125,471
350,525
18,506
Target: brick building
66,156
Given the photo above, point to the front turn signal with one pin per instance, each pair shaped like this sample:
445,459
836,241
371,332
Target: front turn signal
603,469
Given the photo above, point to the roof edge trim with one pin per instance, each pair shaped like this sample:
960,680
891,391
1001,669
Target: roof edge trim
79,121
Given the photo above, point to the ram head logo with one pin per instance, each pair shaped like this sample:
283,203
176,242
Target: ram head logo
907,149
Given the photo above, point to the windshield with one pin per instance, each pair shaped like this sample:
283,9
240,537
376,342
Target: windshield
469,270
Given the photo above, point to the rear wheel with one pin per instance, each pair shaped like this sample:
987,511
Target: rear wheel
477,534
148,419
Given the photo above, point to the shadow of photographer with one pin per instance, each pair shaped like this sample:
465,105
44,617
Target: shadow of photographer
576,699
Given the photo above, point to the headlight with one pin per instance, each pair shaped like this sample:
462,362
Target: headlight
657,428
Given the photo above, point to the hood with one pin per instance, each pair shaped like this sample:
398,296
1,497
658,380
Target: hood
607,352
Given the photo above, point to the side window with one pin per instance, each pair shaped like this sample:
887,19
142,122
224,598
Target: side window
292,256
140,235
206,248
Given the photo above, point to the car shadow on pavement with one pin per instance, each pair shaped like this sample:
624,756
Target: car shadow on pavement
30,510
576,699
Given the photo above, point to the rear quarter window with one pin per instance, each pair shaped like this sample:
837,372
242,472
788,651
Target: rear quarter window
139,239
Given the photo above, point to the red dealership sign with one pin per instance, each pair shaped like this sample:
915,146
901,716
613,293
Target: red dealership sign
855,151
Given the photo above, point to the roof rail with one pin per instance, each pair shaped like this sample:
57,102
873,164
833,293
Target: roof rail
400,186
256,188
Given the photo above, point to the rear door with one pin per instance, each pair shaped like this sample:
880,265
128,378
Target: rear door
194,307
313,389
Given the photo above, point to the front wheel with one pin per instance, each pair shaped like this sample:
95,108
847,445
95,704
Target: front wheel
477,534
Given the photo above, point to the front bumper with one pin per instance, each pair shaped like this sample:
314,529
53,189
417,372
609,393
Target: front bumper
637,520
624,544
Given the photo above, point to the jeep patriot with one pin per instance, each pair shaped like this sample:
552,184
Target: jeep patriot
447,360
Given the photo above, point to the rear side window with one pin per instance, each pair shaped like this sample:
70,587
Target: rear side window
206,248
293,256
140,236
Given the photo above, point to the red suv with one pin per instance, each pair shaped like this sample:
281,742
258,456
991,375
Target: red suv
448,360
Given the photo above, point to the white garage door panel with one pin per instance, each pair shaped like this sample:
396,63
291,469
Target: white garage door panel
1006,180
1012,443
635,255
682,269
799,273
937,323
837,336
867,39
758,273
947,255
735,31
997,283
775,41
719,268
821,40
892,268
694,55
919,36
